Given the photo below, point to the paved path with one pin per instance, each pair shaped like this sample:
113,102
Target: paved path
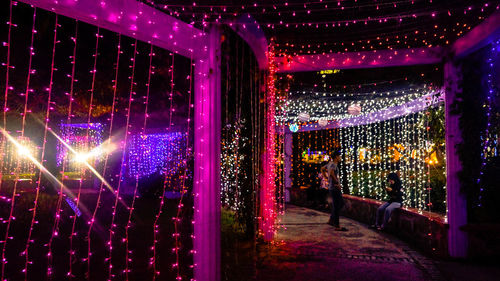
309,249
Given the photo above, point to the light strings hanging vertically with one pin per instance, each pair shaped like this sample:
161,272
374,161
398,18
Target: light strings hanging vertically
29,240
374,158
46,217
486,138
136,185
25,111
256,144
166,181
86,150
106,159
189,152
269,186
122,166
55,227
184,190
7,89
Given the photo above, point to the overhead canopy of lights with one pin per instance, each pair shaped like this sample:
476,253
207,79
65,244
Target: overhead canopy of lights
331,26
321,107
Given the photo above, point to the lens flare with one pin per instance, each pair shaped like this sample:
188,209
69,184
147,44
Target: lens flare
85,156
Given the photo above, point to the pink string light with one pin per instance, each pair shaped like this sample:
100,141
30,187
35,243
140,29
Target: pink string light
7,88
177,218
166,180
269,212
82,172
55,228
131,208
111,119
42,158
25,111
120,177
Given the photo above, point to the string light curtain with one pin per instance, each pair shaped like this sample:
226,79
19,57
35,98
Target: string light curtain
75,106
370,152
242,130
331,26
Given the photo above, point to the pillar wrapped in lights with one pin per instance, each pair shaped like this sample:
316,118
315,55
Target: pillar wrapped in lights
268,196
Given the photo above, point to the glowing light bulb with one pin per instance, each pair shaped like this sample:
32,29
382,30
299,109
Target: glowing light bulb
23,151
81,157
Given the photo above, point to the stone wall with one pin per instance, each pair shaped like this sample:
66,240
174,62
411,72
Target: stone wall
425,230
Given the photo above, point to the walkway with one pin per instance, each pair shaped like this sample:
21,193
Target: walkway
309,249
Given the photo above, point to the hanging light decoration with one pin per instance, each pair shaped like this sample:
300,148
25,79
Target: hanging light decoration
322,122
304,116
354,109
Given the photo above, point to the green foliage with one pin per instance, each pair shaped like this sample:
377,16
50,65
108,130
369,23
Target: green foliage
230,225
436,122
362,187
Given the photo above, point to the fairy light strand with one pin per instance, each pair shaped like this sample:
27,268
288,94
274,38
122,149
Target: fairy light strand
166,181
14,191
132,205
184,176
42,157
87,146
7,88
122,168
106,159
55,227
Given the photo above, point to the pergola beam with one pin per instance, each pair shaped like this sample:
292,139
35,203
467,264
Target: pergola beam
249,30
478,37
365,59
135,19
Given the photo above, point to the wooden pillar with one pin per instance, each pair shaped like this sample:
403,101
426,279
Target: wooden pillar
207,124
456,200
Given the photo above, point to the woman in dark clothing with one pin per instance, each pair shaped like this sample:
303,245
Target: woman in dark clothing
395,201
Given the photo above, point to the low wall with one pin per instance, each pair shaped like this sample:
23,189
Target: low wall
425,230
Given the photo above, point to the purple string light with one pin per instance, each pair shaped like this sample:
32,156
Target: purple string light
486,139
155,152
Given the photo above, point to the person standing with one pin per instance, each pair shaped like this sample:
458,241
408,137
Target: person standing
335,190
324,187
395,201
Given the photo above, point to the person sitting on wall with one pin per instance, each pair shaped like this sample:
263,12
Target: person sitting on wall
395,201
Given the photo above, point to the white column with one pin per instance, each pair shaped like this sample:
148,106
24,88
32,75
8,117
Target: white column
207,124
